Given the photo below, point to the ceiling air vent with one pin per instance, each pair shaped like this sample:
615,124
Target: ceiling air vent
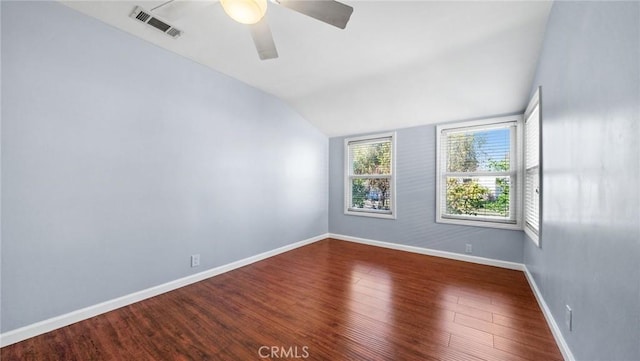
144,16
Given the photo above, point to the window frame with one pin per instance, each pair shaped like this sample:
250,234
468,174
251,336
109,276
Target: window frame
533,106
348,176
515,172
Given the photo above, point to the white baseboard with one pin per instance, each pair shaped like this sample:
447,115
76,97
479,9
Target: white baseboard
555,330
432,252
51,324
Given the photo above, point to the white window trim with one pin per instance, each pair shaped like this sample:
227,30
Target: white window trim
515,203
392,178
534,103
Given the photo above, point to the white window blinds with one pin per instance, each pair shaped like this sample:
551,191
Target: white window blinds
478,173
369,180
532,168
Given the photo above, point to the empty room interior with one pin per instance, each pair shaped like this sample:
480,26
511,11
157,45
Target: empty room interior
320,180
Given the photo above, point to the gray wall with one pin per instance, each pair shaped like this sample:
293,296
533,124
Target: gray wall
415,224
120,160
590,256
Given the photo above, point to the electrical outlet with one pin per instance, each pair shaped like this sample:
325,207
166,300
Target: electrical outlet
468,248
568,317
195,260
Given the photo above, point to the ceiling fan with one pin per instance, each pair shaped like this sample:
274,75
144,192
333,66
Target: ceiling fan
252,13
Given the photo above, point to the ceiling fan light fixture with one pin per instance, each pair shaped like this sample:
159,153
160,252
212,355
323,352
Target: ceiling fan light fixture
245,11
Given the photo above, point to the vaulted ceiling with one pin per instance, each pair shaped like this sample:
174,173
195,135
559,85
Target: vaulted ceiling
397,64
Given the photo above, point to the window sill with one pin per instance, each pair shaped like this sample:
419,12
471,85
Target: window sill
485,224
373,214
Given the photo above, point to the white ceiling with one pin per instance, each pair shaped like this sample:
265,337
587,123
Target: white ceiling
397,64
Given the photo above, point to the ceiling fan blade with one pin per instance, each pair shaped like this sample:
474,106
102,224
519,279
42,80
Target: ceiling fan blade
262,38
328,11
173,10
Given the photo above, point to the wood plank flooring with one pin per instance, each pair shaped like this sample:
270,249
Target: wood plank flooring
331,300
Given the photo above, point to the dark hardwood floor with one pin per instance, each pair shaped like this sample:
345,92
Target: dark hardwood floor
331,300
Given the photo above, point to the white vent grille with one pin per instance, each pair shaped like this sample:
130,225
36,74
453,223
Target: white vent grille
144,16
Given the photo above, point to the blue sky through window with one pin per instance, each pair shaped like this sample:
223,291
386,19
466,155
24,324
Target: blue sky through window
492,145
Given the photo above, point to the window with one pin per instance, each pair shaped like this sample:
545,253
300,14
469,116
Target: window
369,181
532,189
478,176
